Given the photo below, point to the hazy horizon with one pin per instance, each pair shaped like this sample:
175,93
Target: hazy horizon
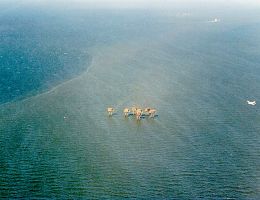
154,4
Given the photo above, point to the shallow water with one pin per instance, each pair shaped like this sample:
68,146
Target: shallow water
204,142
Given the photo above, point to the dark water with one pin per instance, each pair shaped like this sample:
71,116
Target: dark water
61,144
43,47
37,50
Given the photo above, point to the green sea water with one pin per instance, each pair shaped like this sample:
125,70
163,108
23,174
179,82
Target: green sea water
204,143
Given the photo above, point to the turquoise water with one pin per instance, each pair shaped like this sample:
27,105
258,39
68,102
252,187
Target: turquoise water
60,143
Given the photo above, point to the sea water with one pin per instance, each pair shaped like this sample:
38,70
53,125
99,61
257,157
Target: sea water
60,70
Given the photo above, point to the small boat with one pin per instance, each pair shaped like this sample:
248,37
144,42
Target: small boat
252,103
